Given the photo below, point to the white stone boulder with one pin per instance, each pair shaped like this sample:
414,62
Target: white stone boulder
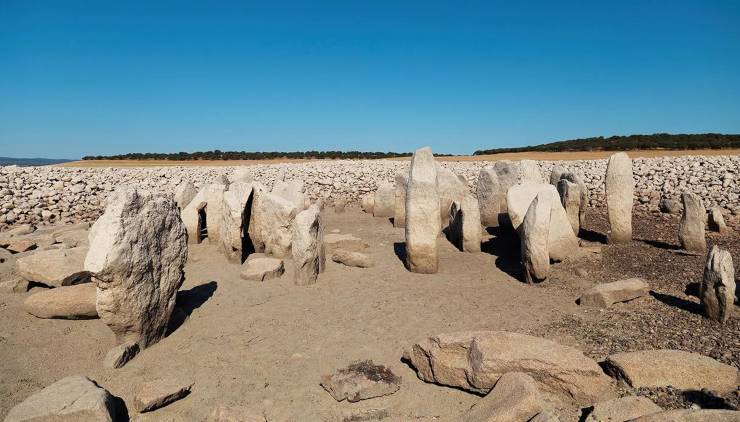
259,267
292,191
384,201
54,267
620,189
270,224
202,216
465,226
399,213
717,289
68,302
184,193
691,228
422,214
308,246
534,234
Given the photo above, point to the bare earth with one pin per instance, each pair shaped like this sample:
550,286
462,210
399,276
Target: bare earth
554,156
265,345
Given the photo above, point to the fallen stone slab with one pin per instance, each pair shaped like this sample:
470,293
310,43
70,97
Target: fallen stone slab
55,268
72,238
68,302
717,288
121,354
675,368
514,398
692,415
74,398
475,360
622,409
21,245
344,241
606,294
259,267
153,395
361,381
352,259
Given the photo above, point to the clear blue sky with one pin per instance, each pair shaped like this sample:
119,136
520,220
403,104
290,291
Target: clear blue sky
106,77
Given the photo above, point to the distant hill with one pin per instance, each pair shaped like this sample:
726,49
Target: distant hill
247,155
7,161
631,142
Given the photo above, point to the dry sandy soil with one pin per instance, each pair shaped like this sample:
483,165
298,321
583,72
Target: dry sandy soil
554,156
265,345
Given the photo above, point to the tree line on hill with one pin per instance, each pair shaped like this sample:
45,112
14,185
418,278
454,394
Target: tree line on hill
246,155
631,142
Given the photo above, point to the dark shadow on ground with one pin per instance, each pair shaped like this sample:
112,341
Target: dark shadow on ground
189,300
392,221
706,400
659,244
677,302
592,236
692,289
399,248
505,245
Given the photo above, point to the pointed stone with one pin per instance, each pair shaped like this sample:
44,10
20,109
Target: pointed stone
534,239
717,290
120,355
620,188
156,394
422,214
691,227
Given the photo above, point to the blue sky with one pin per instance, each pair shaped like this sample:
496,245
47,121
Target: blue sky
79,78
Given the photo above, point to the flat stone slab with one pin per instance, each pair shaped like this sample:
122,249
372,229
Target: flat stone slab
606,294
691,415
67,302
153,395
344,241
121,354
361,381
622,409
259,267
675,368
55,268
74,398
515,397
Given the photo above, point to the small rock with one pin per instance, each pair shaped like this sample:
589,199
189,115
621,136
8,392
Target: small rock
622,409
361,381
235,413
121,354
153,395
607,294
344,241
352,259
259,267
14,285
514,398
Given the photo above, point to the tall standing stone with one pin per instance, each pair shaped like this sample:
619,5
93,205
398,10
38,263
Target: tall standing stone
308,246
384,203
270,223
237,210
422,214
717,291
203,215
717,221
620,188
138,249
570,197
534,239
450,188
529,172
292,191
465,228
691,227
399,216
184,193
490,199
577,179
508,176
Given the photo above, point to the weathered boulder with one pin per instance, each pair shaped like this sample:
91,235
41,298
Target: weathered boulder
622,409
514,398
68,302
570,197
138,249
291,191
529,172
54,267
508,176
691,228
583,190
534,238
202,216
74,398
450,189
156,394
368,203
606,294
270,224
490,197
556,174
259,267
352,259
692,415
717,220
241,174
184,193
308,246
119,355
361,381
562,242
237,209
676,368
717,289
475,360
422,214
399,214
384,201
620,188
465,228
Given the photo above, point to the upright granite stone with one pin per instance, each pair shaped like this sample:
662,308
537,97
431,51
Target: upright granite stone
399,215
308,246
292,191
384,203
717,290
556,174
620,188
529,172
203,215
184,193
237,211
450,189
270,224
422,214
570,197
464,228
583,189
691,228
490,197
534,238
717,220
138,249
508,176
54,267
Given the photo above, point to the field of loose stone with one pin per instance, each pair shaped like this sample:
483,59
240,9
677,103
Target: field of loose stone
372,290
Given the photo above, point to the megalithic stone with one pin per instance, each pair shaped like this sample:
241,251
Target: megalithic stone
717,291
570,197
691,227
422,214
464,228
534,239
308,246
399,215
620,189
489,197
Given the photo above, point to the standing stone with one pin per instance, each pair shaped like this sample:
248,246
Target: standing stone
490,198
138,249
529,171
450,189
620,188
270,222
508,176
717,221
203,215
384,201
184,193
691,228
67,302
241,174
422,214
368,201
292,191
556,174
465,228
399,217
583,189
534,239
717,291
570,197
237,210
308,246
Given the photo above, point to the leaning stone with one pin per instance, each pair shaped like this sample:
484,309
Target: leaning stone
74,398
717,221
675,368
352,259
450,189
121,354
606,294
292,191
620,188
156,394
570,197
384,201
399,214
270,224
490,197
237,209
475,360
259,267
691,415
717,290
235,413
68,302
622,409
691,228
514,398
465,227
184,193
534,238
361,381
344,241
422,214
138,249
308,246
54,268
